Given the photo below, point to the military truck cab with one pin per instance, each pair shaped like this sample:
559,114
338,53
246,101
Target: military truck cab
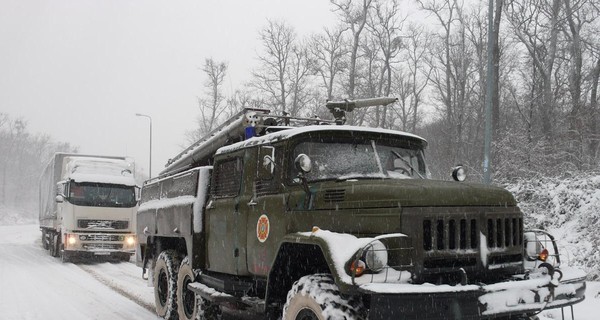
331,221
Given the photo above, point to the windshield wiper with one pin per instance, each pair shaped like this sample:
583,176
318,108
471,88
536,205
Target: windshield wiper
407,163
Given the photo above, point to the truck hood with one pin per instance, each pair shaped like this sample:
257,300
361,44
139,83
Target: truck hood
389,193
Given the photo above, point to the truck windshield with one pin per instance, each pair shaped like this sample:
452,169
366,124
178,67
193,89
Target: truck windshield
101,195
350,158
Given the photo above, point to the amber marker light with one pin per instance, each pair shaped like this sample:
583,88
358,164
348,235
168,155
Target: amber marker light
543,256
357,267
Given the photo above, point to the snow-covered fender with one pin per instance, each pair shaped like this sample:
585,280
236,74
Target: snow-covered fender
319,251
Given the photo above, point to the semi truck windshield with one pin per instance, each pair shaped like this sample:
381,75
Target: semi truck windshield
101,195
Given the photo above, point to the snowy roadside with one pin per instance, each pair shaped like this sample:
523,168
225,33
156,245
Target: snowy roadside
34,285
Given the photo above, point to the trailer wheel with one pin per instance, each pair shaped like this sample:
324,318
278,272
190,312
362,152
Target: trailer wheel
317,297
187,304
165,284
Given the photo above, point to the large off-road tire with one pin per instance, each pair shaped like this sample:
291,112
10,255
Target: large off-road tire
208,310
165,284
187,303
317,297
190,306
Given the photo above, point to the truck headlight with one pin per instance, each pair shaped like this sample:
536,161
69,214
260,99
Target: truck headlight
130,240
71,239
375,256
372,258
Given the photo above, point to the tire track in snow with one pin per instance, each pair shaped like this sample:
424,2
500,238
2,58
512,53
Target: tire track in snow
117,288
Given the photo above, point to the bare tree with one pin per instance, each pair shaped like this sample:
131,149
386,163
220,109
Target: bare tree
273,76
327,51
386,26
529,19
211,107
353,14
411,85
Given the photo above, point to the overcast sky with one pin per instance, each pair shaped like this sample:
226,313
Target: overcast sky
79,70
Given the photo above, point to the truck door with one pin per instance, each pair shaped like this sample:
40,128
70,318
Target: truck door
226,232
266,210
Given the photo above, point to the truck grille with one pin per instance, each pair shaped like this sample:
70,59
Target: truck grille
463,234
102,246
102,237
102,224
450,234
504,232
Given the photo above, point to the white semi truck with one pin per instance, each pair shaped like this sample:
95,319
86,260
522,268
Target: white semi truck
88,206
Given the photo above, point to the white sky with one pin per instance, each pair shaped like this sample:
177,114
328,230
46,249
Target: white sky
79,70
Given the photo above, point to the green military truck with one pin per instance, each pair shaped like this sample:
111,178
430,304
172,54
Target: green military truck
272,217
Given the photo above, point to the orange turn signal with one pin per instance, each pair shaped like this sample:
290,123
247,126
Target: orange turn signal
357,267
543,256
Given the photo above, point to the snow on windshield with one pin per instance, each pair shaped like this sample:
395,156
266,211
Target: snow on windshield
346,158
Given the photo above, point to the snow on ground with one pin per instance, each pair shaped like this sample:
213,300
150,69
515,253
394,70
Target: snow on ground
34,285
570,210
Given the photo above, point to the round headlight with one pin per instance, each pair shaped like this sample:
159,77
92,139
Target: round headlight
376,256
459,173
303,163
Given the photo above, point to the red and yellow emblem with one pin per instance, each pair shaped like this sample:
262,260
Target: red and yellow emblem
262,228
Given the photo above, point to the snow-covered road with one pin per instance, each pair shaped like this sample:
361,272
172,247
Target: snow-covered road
34,285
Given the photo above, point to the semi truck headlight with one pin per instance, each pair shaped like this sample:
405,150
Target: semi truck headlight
130,240
71,239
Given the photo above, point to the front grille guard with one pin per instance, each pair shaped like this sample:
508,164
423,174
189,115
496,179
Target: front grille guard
399,267
535,241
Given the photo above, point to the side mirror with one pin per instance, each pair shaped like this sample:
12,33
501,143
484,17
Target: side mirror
266,165
59,198
269,163
459,173
303,163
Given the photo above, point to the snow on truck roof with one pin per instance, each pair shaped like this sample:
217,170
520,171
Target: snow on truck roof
100,170
288,133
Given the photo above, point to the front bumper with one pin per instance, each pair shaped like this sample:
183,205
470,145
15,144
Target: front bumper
98,244
425,302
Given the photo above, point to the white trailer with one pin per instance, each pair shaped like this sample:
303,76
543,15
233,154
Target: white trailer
88,206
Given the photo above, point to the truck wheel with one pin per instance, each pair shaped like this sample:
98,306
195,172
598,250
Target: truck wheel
187,305
208,310
51,244
317,297
45,244
165,284
55,244
65,257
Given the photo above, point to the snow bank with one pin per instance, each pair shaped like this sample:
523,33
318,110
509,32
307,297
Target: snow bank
570,210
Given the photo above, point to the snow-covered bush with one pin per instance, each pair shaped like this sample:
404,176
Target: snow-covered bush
569,209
